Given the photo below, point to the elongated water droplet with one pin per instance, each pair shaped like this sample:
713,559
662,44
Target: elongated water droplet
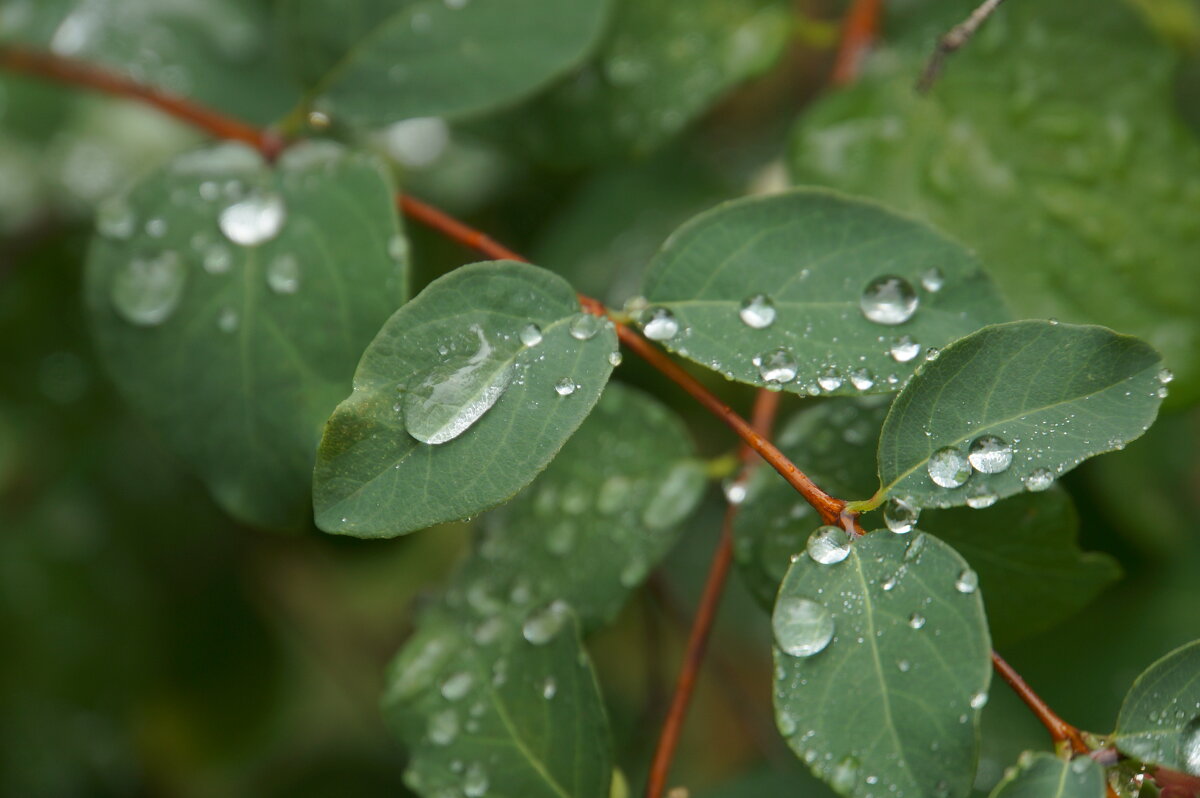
915,546
888,300
283,274
967,581
541,627
802,627
147,291
900,516
660,324
916,620
457,686
777,367
565,387
757,311
531,335
979,700
1039,479
948,468
675,496
584,326
828,545
932,280
453,396
904,349
254,220
990,454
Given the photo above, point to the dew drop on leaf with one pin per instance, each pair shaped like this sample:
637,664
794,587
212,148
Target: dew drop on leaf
614,358
398,248
861,379
541,627
802,627
948,468
990,454
115,219
217,259
457,686
757,311
549,688
777,367
227,320
932,280
916,620
475,782
900,516
981,497
904,349
453,397
443,727
1039,479
828,545
675,495
888,300
283,274
1165,376
845,775
1191,747
979,700
146,291
254,220
829,381
565,387
531,335
584,326
735,491
660,324
967,581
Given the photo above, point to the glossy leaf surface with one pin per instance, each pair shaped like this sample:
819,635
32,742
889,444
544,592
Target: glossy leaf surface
1160,718
1042,775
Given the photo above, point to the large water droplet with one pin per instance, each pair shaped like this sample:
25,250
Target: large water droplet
453,397
828,545
584,326
990,454
802,627
904,349
777,367
757,311
888,300
457,686
900,516
541,627
283,274
531,335
146,291
967,581
255,220
948,468
660,324
1039,479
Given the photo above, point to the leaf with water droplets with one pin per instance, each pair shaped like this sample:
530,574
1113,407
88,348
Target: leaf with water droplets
509,717
1036,161
1041,775
843,278
452,411
883,686
1159,721
385,62
237,375
1055,394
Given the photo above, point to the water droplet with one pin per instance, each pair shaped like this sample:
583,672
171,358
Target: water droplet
253,221
156,228
541,627
531,335
217,259
829,381
904,666
457,686
932,353
227,320
675,496
888,300
900,516
904,349
443,727
633,573
1039,479
549,688
453,397
1191,747
948,468
584,326
565,387
861,379
777,367
488,632
614,358
967,581
735,491
1165,376
981,497
979,699
660,324
915,547
115,219
757,311
614,494
146,291
398,248
844,776
916,620
475,782
802,627
990,454
828,545
933,280
283,274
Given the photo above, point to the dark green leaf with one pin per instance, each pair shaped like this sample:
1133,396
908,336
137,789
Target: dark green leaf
1042,775
491,713
238,351
812,255
1160,718
1051,395
453,365
1034,147
894,697
374,62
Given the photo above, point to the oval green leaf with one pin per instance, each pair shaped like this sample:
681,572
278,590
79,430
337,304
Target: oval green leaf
1159,721
1052,394
894,697
387,61
460,364
812,255
228,300
1042,775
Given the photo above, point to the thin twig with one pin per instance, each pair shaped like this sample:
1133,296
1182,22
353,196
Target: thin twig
1060,730
957,38
860,29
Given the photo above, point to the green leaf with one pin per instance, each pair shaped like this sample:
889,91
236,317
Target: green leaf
1033,147
455,362
237,352
383,61
1052,395
1042,775
1030,567
894,697
599,519
1159,721
491,713
661,65
812,254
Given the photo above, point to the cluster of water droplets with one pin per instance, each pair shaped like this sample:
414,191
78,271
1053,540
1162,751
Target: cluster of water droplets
951,467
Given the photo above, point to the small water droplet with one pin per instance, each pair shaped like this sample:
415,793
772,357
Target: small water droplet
453,397
844,776
900,516
933,280
217,259
979,699
888,300
549,688
254,220
735,491
283,274
829,381
115,219
675,496
457,686
146,291
981,497
904,349
777,367
584,326
398,248
614,358
915,547
531,335
757,311
948,468
227,320
802,627
916,620
828,545
990,454
541,626
659,324
1039,479
1165,376
862,380
565,387
967,581
475,782
443,727
932,353
904,666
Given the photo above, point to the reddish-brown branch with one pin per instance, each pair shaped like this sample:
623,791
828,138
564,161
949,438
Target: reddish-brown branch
453,229
1059,729
860,28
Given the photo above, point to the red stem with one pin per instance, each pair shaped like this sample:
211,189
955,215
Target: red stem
1060,730
860,28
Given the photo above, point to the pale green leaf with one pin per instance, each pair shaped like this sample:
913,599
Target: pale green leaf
812,254
1160,718
1042,775
237,353
894,697
508,403
1056,394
